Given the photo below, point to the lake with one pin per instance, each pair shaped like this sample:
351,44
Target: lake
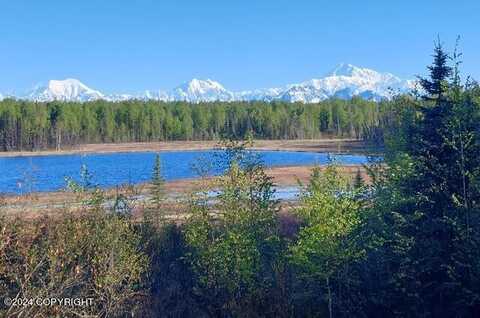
47,173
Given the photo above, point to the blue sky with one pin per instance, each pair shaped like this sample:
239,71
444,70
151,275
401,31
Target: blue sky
128,46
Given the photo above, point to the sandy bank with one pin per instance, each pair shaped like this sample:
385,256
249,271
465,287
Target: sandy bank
313,145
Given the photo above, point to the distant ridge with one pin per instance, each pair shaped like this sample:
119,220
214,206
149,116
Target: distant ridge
344,81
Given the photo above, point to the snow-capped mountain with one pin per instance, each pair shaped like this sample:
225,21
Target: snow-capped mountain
65,90
156,95
344,81
119,97
267,94
202,90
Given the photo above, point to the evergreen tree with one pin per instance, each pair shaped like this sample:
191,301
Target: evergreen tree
154,213
158,181
437,85
26,125
432,197
358,182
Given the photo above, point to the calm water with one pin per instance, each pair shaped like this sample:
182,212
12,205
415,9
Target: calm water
47,173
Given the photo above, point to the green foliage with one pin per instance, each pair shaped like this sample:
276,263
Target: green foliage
154,213
428,201
358,182
87,191
234,241
158,182
437,85
325,247
57,125
330,213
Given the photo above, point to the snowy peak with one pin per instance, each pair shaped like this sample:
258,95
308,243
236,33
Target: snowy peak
202,86
352,71
344,69
65,90
266,94
201,91
346,81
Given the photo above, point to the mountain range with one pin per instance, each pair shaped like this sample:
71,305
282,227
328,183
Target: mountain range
344,81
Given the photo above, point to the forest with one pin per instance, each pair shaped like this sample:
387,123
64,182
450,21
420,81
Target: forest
56,125
404,244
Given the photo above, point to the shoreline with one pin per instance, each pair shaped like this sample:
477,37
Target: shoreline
283,176
39,203
338,146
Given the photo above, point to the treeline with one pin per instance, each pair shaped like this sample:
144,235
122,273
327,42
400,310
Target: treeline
32,126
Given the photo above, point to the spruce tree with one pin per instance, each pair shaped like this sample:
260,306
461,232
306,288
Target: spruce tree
358,182
437,85
433,192
158,192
